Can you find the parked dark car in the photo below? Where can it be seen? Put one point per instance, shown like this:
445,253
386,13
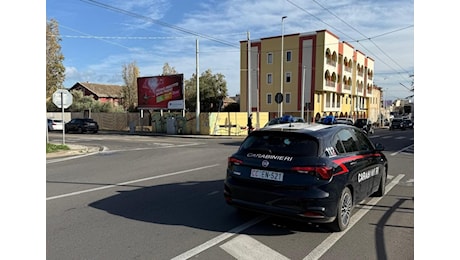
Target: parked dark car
365,125
82,125
313,173
397,123
408,123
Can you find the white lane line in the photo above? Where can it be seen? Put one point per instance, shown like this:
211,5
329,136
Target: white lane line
243,247
130,182
334,237
210,243
403,149
107,151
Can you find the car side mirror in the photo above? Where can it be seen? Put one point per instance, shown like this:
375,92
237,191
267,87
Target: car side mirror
379,147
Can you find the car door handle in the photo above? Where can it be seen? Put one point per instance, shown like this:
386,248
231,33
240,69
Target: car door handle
353,163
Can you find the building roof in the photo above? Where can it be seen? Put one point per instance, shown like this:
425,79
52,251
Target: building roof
101,90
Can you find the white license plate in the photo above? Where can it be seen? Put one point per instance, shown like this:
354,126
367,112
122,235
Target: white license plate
266,175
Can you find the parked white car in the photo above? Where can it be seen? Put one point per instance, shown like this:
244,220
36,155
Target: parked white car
54,124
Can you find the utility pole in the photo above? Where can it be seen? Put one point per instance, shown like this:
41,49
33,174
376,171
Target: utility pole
282,62
197,89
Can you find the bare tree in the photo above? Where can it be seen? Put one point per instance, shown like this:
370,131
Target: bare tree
168,70
130,75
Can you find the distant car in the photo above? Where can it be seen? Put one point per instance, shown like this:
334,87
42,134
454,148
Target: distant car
397,123
285,119
314,173
330,120
327,120
365,125
54,124
408,123
82,125
344,120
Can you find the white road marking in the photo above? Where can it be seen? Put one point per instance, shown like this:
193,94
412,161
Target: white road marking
107,151
334,237
243,247
315,254
210,243
69,158
129,182
402,150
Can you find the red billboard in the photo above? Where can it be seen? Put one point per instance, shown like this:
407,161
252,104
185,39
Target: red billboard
161,92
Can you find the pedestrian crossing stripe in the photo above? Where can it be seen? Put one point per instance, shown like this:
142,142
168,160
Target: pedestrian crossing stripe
244,247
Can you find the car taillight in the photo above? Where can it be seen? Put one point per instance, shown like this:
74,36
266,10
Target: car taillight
234,161
321,172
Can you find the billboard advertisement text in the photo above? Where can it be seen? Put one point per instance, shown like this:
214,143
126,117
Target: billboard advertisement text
161,92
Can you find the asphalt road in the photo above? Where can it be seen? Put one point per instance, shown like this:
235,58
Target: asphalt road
160,197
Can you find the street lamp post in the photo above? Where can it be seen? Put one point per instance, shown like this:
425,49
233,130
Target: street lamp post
282,61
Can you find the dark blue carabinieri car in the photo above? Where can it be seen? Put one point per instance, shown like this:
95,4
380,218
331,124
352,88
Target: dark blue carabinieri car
310,172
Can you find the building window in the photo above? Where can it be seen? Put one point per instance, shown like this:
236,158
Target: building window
269,58
288,77
269,98
288,56
288,98
269,78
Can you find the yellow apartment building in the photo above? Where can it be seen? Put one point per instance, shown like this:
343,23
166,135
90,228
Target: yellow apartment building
321,76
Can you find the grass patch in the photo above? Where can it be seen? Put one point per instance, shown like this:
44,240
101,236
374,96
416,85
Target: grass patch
51,148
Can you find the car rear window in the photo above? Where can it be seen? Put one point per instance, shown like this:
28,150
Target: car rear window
281,143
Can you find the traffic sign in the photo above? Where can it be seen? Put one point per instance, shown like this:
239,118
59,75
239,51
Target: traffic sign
62,98
278,97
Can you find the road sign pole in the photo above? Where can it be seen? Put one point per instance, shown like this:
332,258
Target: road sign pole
62,115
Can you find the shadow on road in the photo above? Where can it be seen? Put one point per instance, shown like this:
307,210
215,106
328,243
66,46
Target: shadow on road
193,204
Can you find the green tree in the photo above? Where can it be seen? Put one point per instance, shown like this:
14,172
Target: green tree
213,89
55,70
130,74
168,70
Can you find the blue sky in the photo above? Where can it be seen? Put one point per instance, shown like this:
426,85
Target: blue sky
99,37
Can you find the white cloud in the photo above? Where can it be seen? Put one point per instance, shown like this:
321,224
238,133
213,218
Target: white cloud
173,36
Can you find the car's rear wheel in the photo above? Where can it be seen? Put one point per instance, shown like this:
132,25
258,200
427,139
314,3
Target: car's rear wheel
344,209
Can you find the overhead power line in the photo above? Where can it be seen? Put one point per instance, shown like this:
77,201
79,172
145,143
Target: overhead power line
135,15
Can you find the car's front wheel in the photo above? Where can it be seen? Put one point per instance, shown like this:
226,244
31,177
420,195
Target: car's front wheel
344,209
